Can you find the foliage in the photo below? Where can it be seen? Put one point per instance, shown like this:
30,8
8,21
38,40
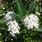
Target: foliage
21,8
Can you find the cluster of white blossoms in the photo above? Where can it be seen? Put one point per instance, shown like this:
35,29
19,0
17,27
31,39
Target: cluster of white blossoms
31,21
13,26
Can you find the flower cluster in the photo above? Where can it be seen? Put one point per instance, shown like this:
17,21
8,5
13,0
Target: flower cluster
13,26
31,21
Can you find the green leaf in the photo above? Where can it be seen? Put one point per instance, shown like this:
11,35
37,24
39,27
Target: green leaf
20,10
1,21
38,29
32,6
1,38
32,32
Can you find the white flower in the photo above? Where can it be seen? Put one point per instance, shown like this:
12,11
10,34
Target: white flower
4,14
0,34
31,21
37,0
13,26
11,39
37,13
3,8
0,41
